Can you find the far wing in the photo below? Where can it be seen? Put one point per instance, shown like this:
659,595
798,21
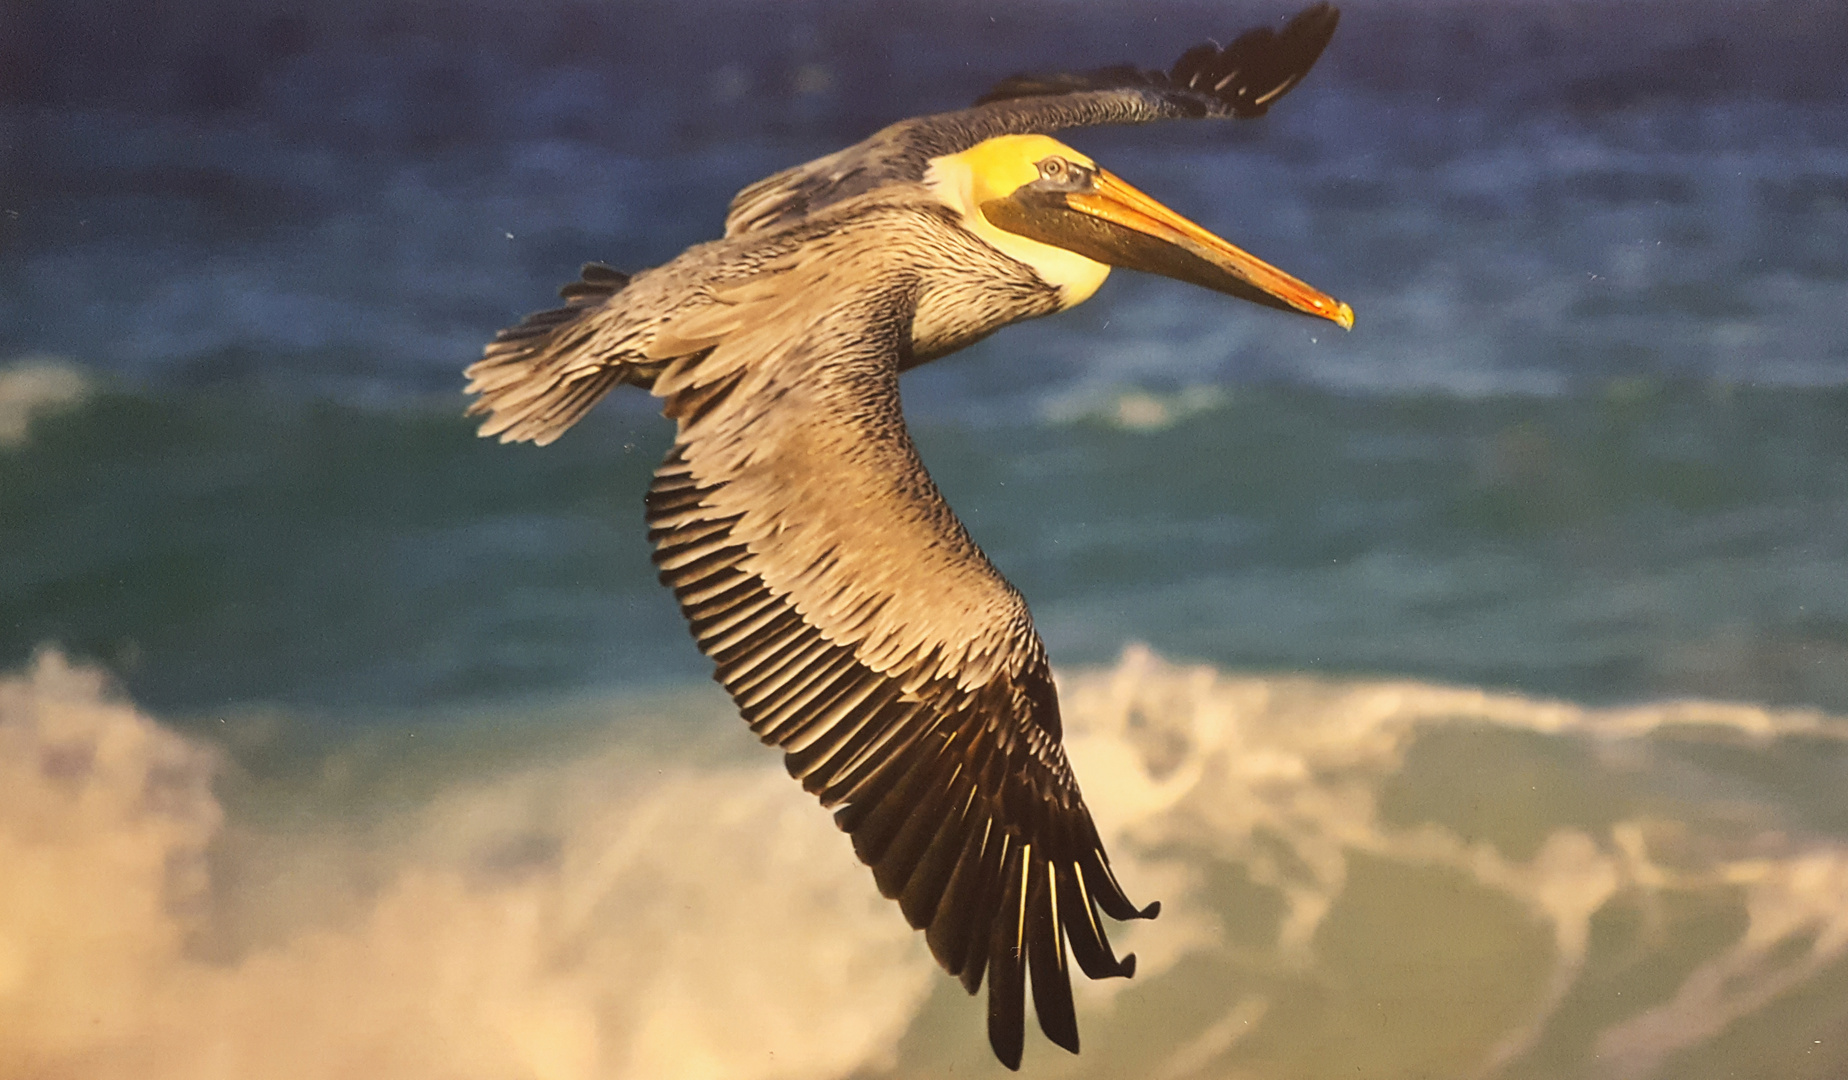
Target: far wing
1241,80
859,628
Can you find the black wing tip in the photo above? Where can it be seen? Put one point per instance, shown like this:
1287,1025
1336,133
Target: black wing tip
1006,1055
1313,26
1244,79
1320,12
1271,61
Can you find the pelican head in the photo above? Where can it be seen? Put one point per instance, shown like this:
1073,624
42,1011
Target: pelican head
1056,210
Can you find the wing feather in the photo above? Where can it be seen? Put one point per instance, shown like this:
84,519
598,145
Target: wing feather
1007,958
1052,983
949,931
924,889
858,628
532,379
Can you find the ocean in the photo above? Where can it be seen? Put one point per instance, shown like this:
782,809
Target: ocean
1471,688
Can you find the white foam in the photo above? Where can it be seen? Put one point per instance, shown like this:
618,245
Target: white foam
1133,409
1226,765
605,917
629,911
31,386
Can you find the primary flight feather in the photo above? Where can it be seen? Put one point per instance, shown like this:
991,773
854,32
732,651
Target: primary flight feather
849,614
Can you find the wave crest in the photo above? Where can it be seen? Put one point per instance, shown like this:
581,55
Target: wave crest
609,916
1391,876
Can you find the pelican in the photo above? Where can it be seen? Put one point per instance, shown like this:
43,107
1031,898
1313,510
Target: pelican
847,611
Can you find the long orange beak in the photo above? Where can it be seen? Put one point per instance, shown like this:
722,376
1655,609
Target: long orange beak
1113,223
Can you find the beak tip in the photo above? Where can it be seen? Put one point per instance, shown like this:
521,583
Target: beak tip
1344,317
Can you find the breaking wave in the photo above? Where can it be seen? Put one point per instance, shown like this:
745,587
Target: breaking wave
1598,892
611,916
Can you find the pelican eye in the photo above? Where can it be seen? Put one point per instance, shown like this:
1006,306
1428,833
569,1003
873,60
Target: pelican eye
1062,174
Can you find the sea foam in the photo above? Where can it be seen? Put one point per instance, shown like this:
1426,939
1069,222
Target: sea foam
1424,877
31,386
606,917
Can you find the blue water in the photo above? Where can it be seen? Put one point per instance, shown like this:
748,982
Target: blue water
1586,449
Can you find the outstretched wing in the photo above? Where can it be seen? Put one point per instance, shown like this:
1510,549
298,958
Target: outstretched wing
860,629
1241,80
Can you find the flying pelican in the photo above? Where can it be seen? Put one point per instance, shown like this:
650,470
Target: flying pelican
850,616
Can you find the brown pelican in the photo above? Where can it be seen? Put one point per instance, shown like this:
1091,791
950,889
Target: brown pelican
850,616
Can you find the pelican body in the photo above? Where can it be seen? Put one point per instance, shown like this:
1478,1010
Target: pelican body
850,616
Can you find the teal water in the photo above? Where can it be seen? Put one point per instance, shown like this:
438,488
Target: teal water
1646,540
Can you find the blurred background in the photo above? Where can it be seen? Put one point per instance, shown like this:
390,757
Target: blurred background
1470,686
